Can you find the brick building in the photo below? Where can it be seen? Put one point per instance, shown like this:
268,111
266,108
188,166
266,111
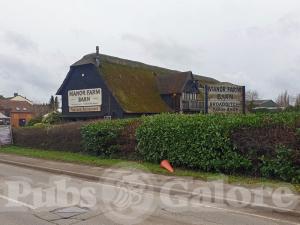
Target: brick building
20,112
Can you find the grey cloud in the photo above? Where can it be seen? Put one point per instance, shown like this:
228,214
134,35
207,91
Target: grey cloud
19,41
289,24
286,26
167,52
254,42
29,78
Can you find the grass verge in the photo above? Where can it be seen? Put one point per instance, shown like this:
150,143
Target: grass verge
154,168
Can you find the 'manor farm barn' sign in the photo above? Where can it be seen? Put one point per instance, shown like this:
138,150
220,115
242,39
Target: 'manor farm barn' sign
85,100
224,98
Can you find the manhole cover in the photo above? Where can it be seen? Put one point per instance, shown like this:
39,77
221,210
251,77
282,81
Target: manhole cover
69,211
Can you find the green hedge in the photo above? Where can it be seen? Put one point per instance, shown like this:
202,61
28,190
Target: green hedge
101,138
63,137
204,142
266,145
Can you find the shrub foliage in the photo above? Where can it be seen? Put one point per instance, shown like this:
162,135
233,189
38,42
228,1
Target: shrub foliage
266,145
206,142
101,138
64,137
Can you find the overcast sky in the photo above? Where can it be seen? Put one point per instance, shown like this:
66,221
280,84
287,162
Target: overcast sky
249,42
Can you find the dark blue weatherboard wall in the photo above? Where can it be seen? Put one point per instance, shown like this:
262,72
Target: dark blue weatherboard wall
91,79
191,87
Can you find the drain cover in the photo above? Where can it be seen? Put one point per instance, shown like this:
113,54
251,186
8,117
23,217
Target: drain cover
69,212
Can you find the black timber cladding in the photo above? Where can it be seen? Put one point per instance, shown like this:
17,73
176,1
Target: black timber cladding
87,77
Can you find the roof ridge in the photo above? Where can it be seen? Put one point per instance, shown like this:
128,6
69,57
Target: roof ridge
91,59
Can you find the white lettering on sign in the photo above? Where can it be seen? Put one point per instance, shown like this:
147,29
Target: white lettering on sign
225,98
85,109
85,98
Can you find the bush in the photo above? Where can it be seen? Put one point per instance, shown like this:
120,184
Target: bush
254,144
205,141
52,118
64,137
101,138
275,168
34,121
292,109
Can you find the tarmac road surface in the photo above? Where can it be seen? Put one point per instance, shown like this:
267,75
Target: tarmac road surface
31,197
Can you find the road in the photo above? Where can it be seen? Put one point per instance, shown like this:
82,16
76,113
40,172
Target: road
40,198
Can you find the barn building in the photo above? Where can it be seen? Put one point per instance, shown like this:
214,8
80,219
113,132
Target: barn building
99,86
263,105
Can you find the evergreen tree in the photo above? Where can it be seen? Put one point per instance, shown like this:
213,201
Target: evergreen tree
56,103
52,103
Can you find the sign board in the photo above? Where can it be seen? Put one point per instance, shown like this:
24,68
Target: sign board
85,100
5,135
225,98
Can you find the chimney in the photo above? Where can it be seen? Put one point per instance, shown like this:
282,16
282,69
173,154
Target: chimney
97,56
16,94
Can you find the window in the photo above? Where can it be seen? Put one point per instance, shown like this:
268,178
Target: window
22,122
189,96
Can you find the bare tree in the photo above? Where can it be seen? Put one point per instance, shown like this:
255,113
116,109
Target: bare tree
40,109
252,95
283,99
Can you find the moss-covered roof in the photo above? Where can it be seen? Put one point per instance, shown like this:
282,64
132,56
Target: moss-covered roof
134,88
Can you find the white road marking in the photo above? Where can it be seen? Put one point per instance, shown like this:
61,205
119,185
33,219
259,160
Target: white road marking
208,196
249,214
17,202
228,210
